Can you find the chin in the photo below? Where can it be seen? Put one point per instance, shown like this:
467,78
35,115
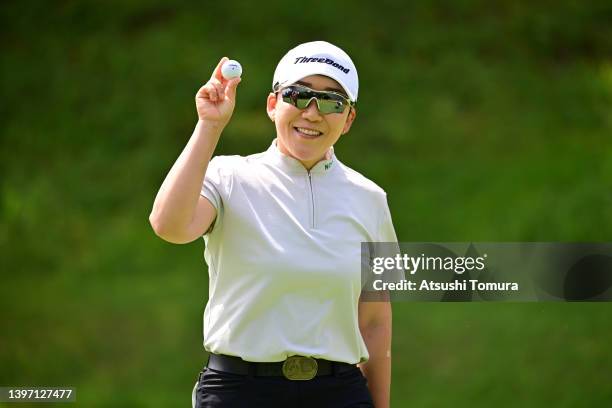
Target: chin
304,150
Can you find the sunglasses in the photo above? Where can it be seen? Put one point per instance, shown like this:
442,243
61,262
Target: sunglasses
327,102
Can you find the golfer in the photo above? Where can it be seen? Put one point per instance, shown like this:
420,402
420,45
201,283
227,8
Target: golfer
284,325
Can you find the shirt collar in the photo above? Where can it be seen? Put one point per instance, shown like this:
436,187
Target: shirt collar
288,163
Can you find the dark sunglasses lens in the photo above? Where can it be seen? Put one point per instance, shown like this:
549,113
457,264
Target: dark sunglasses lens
326,102
303,101
292,95
331,106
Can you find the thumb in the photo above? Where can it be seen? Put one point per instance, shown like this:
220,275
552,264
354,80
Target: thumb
230,88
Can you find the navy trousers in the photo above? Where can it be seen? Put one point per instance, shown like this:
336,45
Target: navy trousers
217,389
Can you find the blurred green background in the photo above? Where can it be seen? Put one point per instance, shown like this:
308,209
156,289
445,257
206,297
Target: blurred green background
484,121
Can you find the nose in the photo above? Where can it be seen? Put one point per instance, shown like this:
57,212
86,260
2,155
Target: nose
311,112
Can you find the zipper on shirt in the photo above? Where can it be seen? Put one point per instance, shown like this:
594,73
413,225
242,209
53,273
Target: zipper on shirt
312,201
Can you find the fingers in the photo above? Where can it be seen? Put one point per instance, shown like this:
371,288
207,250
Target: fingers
214,91
209,91
217,72
218,89
230,88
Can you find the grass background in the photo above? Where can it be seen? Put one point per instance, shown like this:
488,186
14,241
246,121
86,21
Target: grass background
484,121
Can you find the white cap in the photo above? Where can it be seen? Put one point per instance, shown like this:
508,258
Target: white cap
317,58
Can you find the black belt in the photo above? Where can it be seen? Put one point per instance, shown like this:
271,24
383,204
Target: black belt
293,368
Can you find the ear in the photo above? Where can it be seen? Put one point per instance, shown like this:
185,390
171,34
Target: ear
271,106
349,120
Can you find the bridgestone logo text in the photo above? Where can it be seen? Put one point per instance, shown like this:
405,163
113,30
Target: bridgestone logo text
303,60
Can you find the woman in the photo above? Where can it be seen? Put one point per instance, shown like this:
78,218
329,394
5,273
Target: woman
284,324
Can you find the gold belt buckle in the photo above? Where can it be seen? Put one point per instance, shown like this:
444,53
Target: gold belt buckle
300,368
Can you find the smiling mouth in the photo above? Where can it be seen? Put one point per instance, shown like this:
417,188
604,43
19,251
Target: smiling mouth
308,132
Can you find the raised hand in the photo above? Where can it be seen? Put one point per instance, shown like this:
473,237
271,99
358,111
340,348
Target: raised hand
215,100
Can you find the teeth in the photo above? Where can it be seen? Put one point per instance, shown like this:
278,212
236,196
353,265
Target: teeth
308,132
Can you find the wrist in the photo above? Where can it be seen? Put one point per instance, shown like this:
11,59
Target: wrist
210,127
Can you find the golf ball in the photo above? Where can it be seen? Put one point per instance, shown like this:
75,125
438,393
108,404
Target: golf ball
231,69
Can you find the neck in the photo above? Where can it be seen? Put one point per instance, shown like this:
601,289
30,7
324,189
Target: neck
308,164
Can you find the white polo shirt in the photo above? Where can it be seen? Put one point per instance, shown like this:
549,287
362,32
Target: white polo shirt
284,256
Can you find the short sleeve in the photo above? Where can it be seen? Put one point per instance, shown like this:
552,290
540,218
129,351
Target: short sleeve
213,185
385,245
386,231
388,246
217,185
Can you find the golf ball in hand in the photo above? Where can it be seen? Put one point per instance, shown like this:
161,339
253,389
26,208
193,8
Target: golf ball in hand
231,69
